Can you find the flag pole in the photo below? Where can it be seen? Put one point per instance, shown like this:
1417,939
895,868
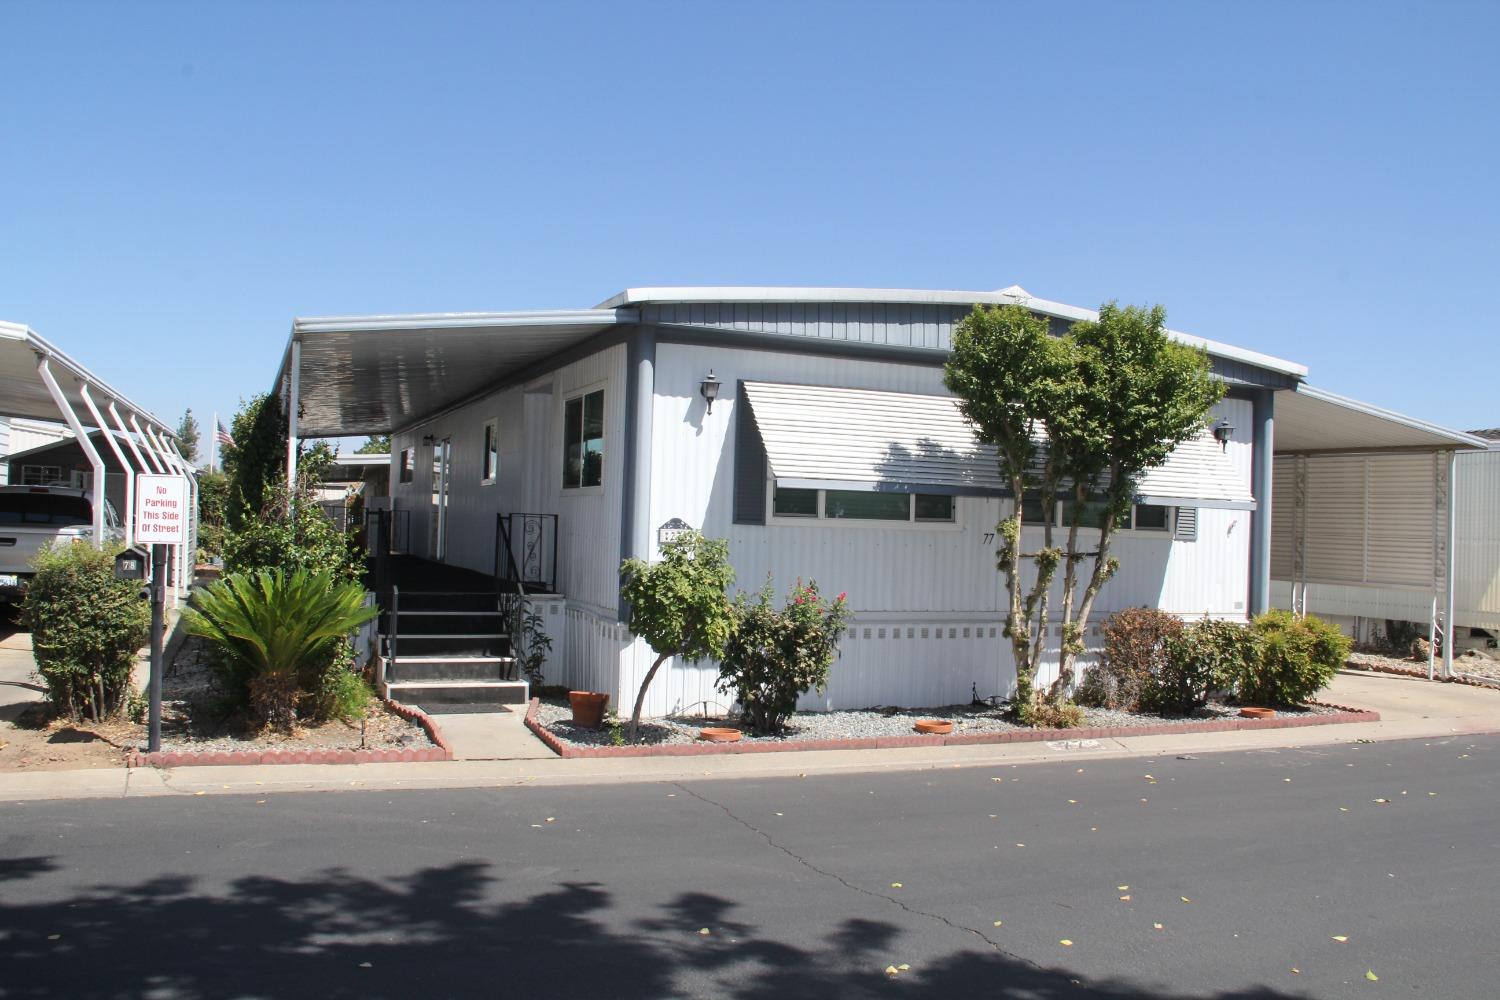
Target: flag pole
213,454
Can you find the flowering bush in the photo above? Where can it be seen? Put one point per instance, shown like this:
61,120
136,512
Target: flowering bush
774,657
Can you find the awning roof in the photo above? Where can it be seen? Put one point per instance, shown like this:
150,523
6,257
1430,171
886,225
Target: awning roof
829,437
376,374
1311,420
23,394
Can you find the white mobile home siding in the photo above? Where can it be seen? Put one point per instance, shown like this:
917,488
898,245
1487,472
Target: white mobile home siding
1477,518
907,584
530,478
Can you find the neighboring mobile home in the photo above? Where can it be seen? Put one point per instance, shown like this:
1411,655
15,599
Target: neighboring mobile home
808,426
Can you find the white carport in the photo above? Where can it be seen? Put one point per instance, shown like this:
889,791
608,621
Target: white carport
1363,519
38,380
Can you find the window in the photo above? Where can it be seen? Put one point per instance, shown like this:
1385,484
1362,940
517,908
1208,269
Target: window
1152,517
44,508
1093,514
491,452
862,505
1031,510
41,475
867,506
408,463
796,503
930,507
583,441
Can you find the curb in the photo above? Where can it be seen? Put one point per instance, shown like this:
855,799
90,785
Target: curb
1421,675
1342,715
213,758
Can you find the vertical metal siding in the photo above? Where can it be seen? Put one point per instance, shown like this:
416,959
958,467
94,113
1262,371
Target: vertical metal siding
900,576
1477,517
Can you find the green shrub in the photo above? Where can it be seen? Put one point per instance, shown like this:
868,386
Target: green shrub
1298,657
1135,651
338,693
1049,713
274,627
774,657
86,627
1204,657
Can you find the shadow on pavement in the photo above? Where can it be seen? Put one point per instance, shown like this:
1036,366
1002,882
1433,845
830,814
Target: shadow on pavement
435,934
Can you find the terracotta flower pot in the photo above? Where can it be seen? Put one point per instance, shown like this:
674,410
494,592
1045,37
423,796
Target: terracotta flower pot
1257,713
937,727
719,734
588,708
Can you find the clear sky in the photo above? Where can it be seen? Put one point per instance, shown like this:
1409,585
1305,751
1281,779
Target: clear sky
1314,181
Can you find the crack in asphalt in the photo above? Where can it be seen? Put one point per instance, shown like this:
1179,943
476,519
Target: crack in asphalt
770,841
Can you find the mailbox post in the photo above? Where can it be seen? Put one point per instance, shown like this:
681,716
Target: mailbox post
131,565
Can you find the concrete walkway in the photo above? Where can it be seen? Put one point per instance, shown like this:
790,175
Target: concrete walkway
490,736
19,685
1410,709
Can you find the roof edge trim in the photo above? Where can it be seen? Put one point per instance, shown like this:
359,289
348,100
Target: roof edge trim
1461,438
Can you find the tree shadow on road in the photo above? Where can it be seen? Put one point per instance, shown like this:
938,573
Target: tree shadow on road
444,932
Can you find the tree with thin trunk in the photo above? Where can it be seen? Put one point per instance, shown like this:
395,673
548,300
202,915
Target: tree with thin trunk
1078,417
679,605
187,436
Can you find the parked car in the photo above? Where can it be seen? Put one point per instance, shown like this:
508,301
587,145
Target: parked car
31,516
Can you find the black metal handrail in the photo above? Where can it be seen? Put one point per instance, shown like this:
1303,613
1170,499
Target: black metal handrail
530,543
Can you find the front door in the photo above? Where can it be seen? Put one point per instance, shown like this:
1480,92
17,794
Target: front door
442,463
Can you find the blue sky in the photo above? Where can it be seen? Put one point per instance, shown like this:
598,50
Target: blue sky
1315,181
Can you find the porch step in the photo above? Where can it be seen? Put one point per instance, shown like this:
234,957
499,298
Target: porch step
459,692
420,622
433,644
449,600
456,669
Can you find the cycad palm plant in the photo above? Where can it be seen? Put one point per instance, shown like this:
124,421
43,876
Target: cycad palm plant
270,623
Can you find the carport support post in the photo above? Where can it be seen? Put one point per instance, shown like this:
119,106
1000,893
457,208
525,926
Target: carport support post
294,389
1450,629
128,514
1263,444
83,442
158,626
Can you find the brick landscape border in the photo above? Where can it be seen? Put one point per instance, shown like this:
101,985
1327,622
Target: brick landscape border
211,758
1421,675
1341,714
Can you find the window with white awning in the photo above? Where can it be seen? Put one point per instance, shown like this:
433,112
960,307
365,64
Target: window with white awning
838,438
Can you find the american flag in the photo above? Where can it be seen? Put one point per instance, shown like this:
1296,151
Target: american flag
222,435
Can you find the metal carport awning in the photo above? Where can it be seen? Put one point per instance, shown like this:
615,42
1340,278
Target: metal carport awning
356,375
1313,421
833,437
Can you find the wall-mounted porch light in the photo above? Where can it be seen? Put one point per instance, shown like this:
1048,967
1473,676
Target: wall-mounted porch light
429,440
709,387
1223,432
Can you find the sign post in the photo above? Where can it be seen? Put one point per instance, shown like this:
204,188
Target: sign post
161,515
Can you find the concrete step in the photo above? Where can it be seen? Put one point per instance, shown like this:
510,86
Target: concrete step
420,669
459,692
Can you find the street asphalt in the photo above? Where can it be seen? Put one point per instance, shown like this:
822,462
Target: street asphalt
1265,874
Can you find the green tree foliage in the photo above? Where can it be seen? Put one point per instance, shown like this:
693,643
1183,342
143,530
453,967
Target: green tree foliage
213,509
302,538
679,605
774,657
258,459
187,436
1080,416
86,627
375,444
271,626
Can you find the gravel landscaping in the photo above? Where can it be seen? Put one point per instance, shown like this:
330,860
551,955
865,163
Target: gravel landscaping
193,720
556,716
1472,664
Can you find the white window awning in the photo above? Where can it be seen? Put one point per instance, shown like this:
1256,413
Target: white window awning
831,437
